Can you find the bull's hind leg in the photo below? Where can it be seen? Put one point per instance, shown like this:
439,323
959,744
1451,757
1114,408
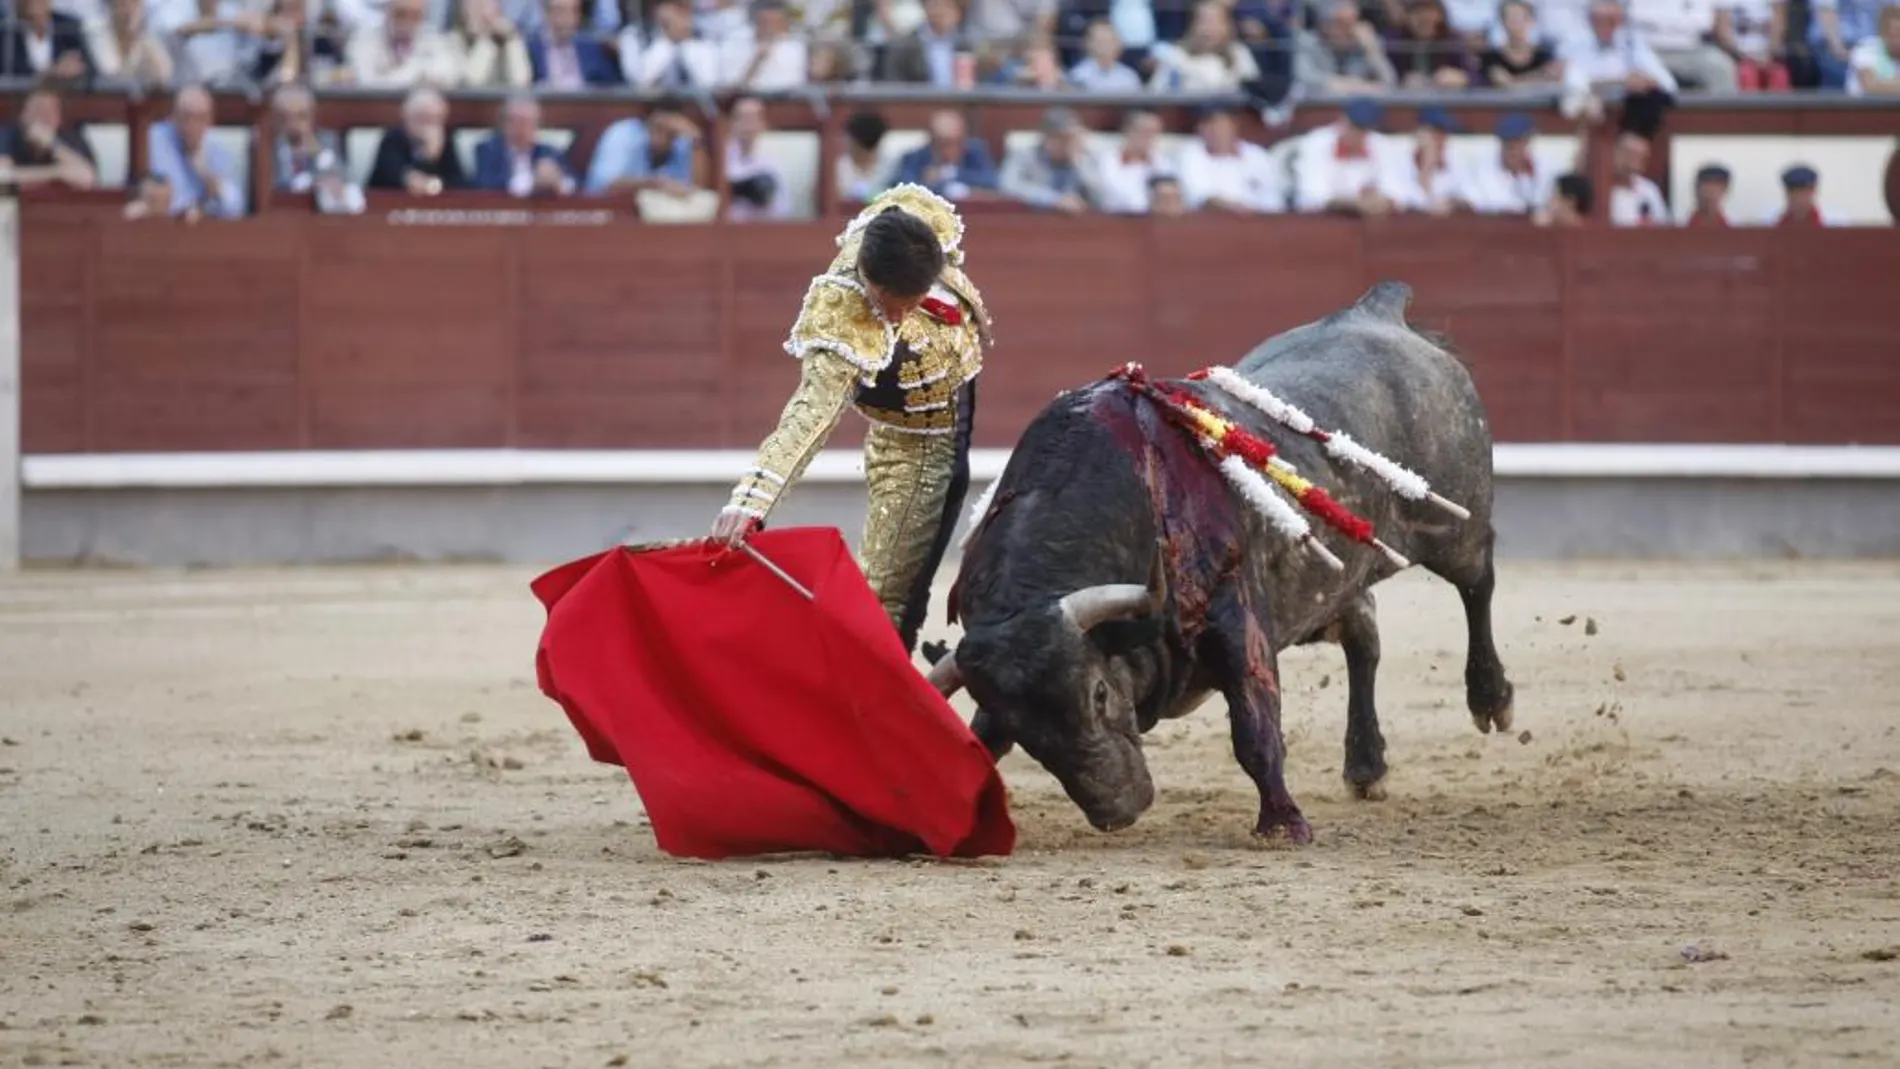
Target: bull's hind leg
1251,684
1357,632
1488,694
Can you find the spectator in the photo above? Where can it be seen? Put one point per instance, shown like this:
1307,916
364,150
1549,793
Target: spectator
928,54
859,172
675,59
1523,58
953,165
1875,59
199,173
1009,21
832,63
1473,21
1754,36
1034,67
721,20
494,50
1347,166
1572,199
403,53
1634,199
43,43
1611,55
1836,29
1165,197
1513,181
635,155
416,156
1682,32
563,59
1266,28
767,58
1102,71
1430,181
299,150
1129,172
1224,173
289,48
514,158
44,149
1711,190
152,199
123,48
1343,55
1799,190
1058,172
1208,60
216,41
755,180
1426,52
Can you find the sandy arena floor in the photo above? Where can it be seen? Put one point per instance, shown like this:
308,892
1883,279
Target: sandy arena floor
324,818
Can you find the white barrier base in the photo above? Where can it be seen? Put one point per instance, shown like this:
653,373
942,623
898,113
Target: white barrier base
521,467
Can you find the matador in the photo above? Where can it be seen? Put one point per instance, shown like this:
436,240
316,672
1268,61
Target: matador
895,327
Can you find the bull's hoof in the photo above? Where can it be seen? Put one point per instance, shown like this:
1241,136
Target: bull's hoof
1372,790
1498,719
1298,831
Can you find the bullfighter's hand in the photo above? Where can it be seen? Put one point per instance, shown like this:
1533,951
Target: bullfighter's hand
731,528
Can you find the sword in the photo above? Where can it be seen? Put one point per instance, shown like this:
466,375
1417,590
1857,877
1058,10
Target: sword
776,570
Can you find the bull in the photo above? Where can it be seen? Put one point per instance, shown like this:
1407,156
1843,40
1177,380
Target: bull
1116,579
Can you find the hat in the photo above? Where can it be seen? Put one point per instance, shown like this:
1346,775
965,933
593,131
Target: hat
1439,119
1515,125
1713,172
1800,176
1364,112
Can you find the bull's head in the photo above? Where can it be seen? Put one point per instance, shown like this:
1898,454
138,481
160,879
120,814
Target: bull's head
1047,679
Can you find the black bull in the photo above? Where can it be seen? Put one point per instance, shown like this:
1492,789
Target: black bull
1118,580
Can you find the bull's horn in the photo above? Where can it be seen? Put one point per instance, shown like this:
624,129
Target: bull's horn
946,676
1093,606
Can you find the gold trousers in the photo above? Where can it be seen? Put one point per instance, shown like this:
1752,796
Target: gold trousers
917,483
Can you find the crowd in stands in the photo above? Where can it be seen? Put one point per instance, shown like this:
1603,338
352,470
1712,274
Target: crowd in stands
1575,54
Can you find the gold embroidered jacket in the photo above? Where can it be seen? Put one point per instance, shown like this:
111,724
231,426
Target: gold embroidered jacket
849,353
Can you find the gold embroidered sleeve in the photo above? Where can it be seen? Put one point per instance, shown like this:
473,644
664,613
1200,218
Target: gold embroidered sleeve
959,283
838,319
826,384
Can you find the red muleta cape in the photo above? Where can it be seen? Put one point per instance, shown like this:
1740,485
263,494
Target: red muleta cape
752,720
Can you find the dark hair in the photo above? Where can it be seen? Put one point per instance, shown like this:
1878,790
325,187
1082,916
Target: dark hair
1578,190
900,254
867,128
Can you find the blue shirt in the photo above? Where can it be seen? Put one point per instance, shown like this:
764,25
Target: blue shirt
1134,20
167,157
1859,19
624,152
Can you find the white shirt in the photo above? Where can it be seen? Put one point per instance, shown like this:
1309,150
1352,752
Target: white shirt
741,166
651,67
785,64
39,50
1176,71
1125,184
1751,22
1672,25
1587,60
1628,202
1871,56
1319,177
1496,191
1250,177
1419,192
1091,77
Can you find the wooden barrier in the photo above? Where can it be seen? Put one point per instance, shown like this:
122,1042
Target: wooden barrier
297,331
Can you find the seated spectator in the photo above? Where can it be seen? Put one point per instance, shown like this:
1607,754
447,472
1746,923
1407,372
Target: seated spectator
1426,52
1634,199
44,44
859,173
1474,21
634,155
1010,21
44,149
300,150
1524,58
404,53
756,182
1683,36
1572,199
1165,197
1035,66
953,165
1711,190
1222,172
721,20
1876,60
1430,180
1512,181
199,173
494,49
564,59
514,159
1743,30
675,59
1612,55
1129,172
123,47
1344,55
1208,60
1835,29
768,57
1268,29
832,63
1799,188
1103,71
216,41
1348,167
1057,172
928,54
152,199
416,156
290,47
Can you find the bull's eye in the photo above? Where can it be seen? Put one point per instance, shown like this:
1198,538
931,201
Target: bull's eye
1101,696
